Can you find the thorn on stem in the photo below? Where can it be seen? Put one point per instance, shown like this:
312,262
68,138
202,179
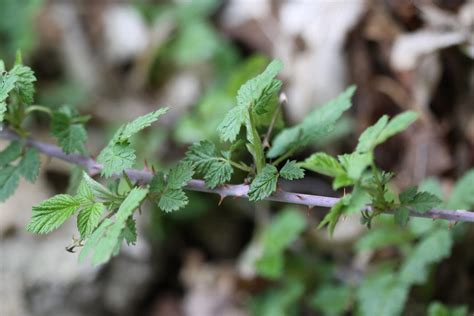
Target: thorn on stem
221,199
145,165
283,98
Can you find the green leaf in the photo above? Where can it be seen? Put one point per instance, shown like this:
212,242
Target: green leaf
283,230
18,58
291,171
52,213
169,191
252,137
379,238
439,309
196,41
24,82
257,92
355,164
262,104
9,180
419,201
341,181
348,204
359,198
130,231
264,184
270,265
401,216
204,156
382,130
29,165
431,249
230,126
128,130
7,84
158,183
116,158
263,120
108,237
73,138
408,195
256,95
219,172
61,120
368,139
118,155
279,301
324,164
318,123
462,196
107,245
347,171
180,175
89,218
332,299
85,193
396,125
281,233
71,135
381,294
97,190
332,217
94,239
11,153
376,183
130,204
172,200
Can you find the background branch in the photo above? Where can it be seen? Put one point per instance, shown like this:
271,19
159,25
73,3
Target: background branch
227,190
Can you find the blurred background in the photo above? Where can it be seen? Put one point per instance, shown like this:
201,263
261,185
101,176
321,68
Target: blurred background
116,60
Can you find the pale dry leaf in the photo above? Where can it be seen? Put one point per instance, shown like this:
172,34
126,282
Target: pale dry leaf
125,33
410,47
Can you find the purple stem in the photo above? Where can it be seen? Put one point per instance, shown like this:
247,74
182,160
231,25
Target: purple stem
235,190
